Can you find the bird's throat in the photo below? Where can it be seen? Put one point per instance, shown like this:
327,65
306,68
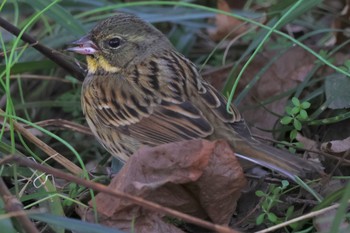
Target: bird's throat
99,63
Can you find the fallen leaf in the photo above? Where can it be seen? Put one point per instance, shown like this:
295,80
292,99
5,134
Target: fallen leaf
309,144
221,184
324,221
197,177
336,146
341,24
225,24
337,91
217,77
284,74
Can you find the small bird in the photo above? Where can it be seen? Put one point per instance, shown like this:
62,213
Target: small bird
140,91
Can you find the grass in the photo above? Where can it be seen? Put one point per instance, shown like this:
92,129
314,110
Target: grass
55,94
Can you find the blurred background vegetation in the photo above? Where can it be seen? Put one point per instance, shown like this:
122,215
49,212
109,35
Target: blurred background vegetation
307,58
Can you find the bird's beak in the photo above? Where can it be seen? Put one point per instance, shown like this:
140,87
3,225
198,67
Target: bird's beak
84,46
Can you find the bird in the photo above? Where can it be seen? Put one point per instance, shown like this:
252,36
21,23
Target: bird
138,90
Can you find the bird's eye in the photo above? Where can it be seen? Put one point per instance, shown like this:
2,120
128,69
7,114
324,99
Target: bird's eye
114,42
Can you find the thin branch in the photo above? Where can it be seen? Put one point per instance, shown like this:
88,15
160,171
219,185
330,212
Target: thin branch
12,204
41,77
46,148
102,188
306,216
319,152
63,124
52,54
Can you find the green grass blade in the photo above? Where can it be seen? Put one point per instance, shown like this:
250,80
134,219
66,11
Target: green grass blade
73,224
61,16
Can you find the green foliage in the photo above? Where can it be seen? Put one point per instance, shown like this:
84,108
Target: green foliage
295,117
345,66
270,200
74,225
325,55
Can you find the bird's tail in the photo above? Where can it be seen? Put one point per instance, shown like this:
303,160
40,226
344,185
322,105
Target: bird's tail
275,159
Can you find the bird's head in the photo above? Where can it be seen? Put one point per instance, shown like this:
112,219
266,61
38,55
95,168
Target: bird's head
120,41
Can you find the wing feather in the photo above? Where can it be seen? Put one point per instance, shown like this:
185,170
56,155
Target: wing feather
171,122
173,109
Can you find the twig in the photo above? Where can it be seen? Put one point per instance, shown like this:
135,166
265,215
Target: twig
270,180
52,54
306,216
41,77
345,155
14,205
64,124
102,188
292,200
22,212
307,150
250,213
215,70
46,148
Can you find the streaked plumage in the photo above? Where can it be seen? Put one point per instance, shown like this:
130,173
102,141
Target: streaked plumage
139,90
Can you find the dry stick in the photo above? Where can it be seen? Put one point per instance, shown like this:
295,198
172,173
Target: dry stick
269,180
47,149
12,204
306,216
308,150
345,155
52,54
64,124
21,212
293,200
61,124
41,77
104,189
249,214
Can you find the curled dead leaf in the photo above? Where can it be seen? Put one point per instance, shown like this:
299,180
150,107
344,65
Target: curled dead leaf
197,177
284,74
226,25
336,146
323,222
309,144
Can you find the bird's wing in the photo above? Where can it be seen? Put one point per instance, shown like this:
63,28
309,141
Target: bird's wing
171,122
150,120
163,123
168,114
217,104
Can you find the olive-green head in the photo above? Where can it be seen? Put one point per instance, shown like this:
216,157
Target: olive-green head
121,40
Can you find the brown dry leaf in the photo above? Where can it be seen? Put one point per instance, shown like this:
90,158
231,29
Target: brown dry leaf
221,184
284,74
323,222
309,144
336,146
331,186
225,24
341,26
217,77
197,177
